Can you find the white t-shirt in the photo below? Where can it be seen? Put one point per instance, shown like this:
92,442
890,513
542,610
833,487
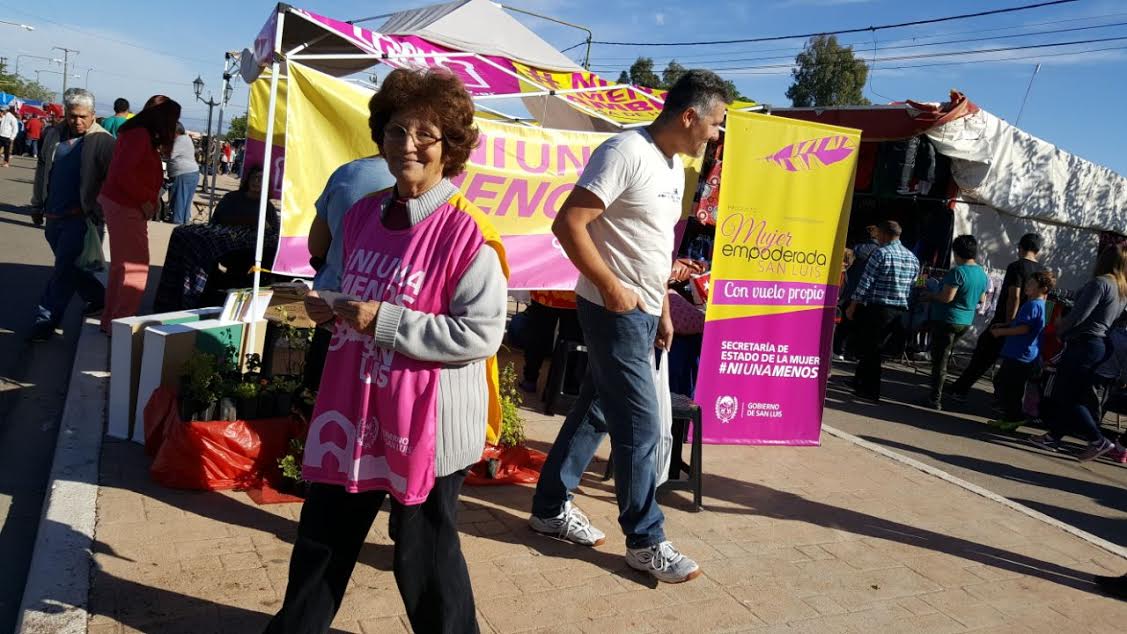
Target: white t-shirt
642,190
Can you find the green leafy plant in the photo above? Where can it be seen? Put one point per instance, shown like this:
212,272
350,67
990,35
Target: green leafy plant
284,385
203,382
245,390
297,341
290,464
512,424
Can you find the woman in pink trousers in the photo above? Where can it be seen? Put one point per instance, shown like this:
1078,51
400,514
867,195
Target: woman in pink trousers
130,197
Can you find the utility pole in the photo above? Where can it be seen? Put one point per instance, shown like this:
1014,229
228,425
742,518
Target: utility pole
66,61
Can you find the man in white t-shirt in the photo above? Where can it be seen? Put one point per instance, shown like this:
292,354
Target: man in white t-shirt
617,228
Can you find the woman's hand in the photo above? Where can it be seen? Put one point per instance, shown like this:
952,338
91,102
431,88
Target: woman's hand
360,315
317,308
149,209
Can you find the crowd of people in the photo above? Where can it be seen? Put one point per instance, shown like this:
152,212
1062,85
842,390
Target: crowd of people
401,354
883,279
97,175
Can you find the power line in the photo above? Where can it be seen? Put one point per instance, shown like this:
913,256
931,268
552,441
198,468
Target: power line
946,54
962,63
916,38
906,46
899,25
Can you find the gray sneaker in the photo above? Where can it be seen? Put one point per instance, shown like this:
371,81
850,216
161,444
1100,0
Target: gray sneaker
1096,449
570,525
664,562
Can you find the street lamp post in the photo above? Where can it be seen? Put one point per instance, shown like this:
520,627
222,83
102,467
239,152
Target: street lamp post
197,86
54,60
54,72
212,157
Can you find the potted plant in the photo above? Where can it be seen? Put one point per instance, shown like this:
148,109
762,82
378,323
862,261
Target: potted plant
512,424
290,466
266,402
246,399
199,387
284,388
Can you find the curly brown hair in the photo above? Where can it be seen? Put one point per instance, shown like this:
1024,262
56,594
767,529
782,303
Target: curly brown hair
434,96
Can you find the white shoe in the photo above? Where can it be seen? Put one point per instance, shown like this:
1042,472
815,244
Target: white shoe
570,525
664,562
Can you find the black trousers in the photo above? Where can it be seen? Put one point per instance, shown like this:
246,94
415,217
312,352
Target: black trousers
943,339
315,358
1009,387
986,351
541,339
871,325
429,568
6,147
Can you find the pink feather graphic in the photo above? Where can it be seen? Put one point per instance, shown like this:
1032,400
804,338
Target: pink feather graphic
814,153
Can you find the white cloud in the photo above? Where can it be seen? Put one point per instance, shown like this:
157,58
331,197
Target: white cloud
659,19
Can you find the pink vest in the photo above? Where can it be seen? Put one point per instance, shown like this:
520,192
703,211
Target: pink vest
374,422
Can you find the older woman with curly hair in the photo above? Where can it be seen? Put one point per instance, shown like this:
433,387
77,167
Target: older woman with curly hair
407,394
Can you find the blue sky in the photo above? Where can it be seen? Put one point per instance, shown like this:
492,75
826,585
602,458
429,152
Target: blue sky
139,48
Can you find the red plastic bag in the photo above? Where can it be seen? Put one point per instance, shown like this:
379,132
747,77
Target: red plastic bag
514,465
212,455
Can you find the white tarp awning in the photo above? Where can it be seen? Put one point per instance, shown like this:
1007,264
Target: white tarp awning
1021,175
479,26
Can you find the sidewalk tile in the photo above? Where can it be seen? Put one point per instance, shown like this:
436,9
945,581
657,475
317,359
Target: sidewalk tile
772,604
386,625
863,588
714,615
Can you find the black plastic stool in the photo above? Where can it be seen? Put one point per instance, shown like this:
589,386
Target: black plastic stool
557,400
682,476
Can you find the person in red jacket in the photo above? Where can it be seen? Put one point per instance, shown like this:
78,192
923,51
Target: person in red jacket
130,198
34,127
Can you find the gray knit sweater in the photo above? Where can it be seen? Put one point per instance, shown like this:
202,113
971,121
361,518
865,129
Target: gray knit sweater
461,340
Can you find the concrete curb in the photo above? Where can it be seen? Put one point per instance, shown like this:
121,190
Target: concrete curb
58,581
977,490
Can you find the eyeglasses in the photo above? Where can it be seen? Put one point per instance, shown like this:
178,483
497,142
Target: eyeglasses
398,135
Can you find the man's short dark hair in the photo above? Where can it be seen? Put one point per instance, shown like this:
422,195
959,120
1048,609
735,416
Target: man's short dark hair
1031,243
965,247
696,89
120,105
891,227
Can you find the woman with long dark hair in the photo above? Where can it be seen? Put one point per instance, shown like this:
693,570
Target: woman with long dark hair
1084,332
130,198
240,207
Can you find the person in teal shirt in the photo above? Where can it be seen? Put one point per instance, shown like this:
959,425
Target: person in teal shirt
952,311
121,114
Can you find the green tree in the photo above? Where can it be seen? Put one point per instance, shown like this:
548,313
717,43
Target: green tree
828,74
642,73
23,88
672,73
237,128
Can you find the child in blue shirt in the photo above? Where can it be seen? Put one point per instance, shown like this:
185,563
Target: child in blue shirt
1020,350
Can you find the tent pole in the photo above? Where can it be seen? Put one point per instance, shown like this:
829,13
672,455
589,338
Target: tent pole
267,158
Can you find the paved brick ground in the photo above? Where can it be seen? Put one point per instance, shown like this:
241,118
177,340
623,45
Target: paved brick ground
829,539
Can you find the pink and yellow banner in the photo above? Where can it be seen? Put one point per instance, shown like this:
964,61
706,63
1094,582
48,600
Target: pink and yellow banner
784,209
519,175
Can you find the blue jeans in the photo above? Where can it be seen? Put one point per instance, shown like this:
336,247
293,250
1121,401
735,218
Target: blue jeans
33,147
1072,383
617,396
183,190
66,236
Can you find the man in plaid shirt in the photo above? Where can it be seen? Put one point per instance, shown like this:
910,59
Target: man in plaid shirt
880,299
